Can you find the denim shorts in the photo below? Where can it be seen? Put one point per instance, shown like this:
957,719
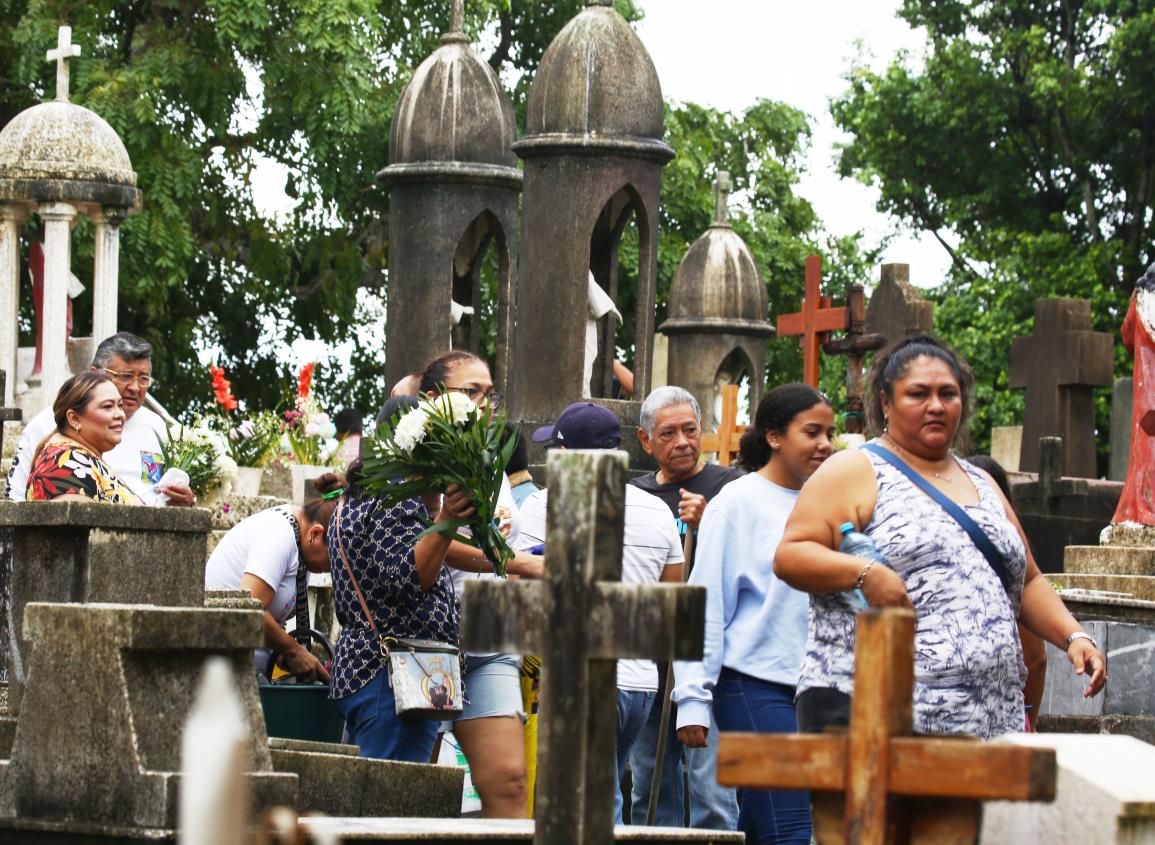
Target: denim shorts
492,687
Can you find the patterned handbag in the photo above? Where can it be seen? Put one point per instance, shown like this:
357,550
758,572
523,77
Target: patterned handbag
425,674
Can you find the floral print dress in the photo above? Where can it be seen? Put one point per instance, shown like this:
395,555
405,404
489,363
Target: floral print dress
65,467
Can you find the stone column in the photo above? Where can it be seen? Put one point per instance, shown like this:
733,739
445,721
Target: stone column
106,272
9,296
57,217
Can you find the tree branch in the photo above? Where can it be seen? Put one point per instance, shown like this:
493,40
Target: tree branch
501,54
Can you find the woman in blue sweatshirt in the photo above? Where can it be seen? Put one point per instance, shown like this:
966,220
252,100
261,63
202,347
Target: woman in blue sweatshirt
755,623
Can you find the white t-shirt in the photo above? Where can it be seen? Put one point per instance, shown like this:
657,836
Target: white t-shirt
651,544
264,545
136,460
509,523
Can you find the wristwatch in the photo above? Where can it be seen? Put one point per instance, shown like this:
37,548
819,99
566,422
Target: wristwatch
1081,635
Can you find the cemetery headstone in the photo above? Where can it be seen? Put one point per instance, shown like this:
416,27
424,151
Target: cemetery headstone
896,787
896,309
1122,403
1059,365
1007,446
814,323
580,620
855,343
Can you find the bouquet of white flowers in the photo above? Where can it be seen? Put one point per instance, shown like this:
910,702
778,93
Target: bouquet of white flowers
203,454
446,440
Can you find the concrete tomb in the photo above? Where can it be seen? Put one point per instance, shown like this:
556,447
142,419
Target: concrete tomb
896,309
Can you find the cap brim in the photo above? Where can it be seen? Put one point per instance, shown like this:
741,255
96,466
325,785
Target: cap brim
543,434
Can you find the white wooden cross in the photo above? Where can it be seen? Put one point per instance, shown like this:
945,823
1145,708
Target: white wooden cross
64,51
723,185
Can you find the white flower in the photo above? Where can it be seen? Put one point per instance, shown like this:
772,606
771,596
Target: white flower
312,429
457,407
327,430
410,430
848,441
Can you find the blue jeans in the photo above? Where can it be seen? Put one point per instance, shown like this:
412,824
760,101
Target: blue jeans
633,708
371,722
712,806
744,703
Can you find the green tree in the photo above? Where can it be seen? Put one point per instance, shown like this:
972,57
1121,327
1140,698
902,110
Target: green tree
1021,137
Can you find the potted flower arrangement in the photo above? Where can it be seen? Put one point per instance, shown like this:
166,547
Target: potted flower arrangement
308,432
204,455
250,438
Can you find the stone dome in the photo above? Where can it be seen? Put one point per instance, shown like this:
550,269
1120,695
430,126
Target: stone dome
59,140
718,288
596,78
454,109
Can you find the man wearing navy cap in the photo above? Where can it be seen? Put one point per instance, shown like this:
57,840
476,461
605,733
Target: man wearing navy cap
651,552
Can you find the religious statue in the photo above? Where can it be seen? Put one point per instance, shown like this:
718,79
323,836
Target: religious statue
1137,504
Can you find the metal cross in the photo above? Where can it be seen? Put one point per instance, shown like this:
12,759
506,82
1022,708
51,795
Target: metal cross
722,188
64,51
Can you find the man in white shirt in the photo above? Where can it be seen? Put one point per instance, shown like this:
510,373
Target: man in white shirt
651,552
136,460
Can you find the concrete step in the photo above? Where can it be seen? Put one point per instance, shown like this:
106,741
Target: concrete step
443,832
1141,587
1112,560
1140,727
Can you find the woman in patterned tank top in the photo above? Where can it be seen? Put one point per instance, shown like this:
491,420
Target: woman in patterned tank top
968,662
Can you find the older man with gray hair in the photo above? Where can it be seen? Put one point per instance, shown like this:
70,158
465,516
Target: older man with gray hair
671,431
136,460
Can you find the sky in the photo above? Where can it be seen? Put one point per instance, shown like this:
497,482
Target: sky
728,53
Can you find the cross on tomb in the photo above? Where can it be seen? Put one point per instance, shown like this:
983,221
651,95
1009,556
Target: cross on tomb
64,51
889,775
723,186
1051,484
816,319
726,439
854,345
896,309
580,620
1059,364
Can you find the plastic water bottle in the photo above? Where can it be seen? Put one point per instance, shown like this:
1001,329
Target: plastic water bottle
858,544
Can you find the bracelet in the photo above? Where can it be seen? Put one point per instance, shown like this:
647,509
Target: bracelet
1081,635
862,576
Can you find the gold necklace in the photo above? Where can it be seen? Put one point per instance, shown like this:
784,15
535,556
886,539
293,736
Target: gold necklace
948,476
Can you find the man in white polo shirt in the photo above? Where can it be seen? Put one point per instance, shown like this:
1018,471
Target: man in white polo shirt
136,460
651,552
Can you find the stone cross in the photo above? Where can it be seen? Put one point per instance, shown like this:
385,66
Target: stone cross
854,345
64,51
1052,484
816,319
580,620
879,764
1059,365
723,185
896,309
725,440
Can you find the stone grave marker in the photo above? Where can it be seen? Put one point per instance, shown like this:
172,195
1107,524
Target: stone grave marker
90,552
896,309
1122,404
854,344
817,319
899,788
580,620
1058,365
1007,446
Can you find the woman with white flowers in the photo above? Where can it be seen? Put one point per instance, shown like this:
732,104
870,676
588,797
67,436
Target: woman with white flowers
270,554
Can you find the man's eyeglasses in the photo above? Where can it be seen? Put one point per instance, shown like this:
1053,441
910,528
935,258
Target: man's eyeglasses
126,378
479,395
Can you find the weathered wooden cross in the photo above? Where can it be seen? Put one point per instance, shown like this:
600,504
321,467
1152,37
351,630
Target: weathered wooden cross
64,51
899,788
1052,484
580,620
816,320
725,440
854,345
1059,365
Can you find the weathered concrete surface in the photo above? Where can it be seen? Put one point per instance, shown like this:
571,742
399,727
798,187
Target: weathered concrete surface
1122,405
1141,587
1007,446
1140,727
1130,690
102,746
1109,560
896,309
1105,794
337,784
88,552
1055,523
436,832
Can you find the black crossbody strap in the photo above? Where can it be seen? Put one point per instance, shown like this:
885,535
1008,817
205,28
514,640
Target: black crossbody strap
977,535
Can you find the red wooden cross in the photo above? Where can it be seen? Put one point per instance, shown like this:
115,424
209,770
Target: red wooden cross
816,319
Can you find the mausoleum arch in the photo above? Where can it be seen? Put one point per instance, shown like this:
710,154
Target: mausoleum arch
735,368
480,268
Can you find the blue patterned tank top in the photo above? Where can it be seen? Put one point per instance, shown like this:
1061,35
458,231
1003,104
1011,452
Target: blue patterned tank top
968,662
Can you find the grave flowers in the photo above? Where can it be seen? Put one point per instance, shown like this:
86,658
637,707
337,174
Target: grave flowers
446,440
307,428
249,437
203,454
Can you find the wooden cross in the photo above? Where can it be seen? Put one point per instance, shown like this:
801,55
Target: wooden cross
854,345
726,439
883,769
1059,365
580,620
1051,484
64,51
723,185
816,319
